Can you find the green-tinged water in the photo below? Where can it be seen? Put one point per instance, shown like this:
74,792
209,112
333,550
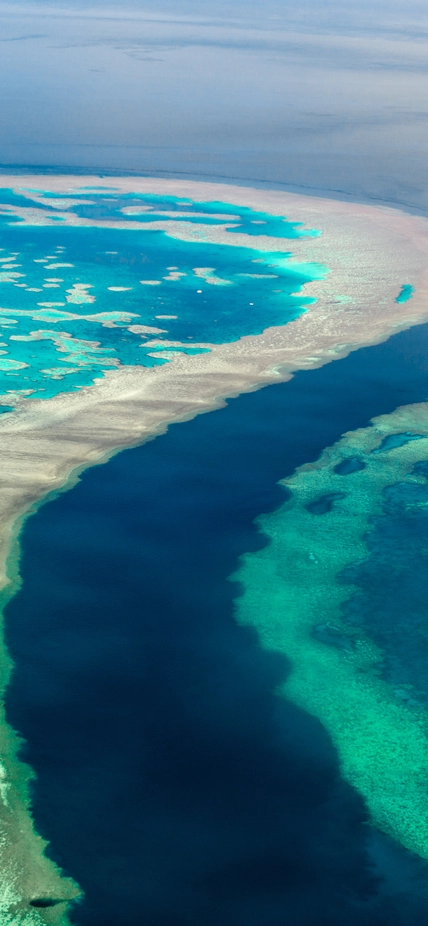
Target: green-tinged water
315,594
77,301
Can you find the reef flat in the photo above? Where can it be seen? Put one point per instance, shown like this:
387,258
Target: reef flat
295,592
328,278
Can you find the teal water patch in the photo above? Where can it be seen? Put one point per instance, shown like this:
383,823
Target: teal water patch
391,441
349,465
76,302
406,293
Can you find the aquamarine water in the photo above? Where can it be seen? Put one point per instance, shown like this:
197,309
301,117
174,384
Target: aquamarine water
405,293
72,298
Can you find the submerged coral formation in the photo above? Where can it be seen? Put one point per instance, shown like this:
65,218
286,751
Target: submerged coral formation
294,592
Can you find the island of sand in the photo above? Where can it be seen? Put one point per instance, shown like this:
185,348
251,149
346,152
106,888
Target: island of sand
371,253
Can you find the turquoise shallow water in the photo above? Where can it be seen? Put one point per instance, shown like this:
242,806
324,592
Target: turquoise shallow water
70,297
406,293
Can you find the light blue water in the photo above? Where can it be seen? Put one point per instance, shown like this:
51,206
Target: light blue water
406,293
71,297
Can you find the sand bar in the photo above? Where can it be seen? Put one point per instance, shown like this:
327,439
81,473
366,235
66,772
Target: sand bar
371,252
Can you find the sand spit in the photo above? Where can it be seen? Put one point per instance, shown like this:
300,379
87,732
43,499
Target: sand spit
370,252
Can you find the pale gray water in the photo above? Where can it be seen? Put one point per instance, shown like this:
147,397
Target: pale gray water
327,97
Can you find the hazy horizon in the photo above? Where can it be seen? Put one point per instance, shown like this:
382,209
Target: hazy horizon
323,98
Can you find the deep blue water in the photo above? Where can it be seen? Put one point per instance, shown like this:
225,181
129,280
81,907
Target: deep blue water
172,782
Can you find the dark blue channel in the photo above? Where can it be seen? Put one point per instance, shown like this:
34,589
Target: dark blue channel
173,783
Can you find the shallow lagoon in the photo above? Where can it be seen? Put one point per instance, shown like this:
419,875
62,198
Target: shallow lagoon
70,297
